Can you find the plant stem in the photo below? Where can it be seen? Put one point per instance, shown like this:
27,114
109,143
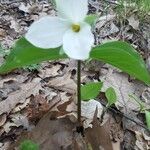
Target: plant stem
79,91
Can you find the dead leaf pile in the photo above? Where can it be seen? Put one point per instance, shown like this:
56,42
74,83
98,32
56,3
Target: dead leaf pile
123,87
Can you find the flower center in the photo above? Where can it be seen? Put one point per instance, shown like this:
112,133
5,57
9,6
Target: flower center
75,27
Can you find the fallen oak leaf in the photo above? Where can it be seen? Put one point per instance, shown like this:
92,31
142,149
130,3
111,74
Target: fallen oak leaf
38,106
52,71
26,90
6,80
99,135
88,111
133,22
20,120
7,126
3,119
19,107
64,83
122,87
50,132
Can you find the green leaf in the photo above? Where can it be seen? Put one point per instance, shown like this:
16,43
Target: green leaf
111,96
91,19
147,116
28,145
24,53
124,56
32,67
90,90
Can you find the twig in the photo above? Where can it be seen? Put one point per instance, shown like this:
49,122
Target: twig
112,2
126,116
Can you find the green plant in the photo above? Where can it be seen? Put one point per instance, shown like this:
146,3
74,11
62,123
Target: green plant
47,36
126,8
147,116
28,145
143,109
32,67
111,96
90,90
142,5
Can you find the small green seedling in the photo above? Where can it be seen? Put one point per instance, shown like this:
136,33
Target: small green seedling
147,116
111,96
126,8
143,109
90,90
28,145
91,19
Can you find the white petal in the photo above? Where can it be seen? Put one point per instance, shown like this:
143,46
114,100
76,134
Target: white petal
74,10
77,45
47,32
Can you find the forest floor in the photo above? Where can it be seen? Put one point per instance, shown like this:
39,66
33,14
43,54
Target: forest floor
38,102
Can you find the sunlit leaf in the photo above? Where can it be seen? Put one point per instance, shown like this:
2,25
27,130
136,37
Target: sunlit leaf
24,53
91,19
147,116
90,90
111,96
122,55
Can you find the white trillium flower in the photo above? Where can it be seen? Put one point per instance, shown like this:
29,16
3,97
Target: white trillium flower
68,29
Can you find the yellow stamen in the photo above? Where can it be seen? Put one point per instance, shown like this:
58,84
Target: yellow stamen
76,27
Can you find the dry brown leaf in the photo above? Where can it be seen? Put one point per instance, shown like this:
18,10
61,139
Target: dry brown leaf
123,88
63,98
61,134
116,145
64,83
6,80
3,118
16,121
104,19
49,93
24,7
57,132
4,146
15,25
88,111
146,137
49,72
116,132
20,120
2,33
141,144
133,22
146,95
99,136
67,106
26,90
7,126
37,108
21,106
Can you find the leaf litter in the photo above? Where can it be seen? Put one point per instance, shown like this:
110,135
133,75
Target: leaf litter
29,99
